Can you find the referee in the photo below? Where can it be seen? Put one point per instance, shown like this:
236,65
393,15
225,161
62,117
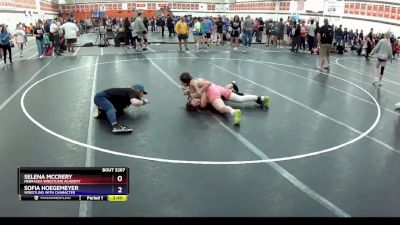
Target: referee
111,103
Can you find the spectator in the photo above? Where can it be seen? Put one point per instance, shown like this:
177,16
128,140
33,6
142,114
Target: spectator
39,33
247,28
5,38
260,30
161,23
384,50
236,25
325,38
170,26
71,32
55,37
20,39
207,29
303,34
220,28
280,32
182,29
310,36
140,28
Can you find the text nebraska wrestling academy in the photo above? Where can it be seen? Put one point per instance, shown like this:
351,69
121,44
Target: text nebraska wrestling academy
49,179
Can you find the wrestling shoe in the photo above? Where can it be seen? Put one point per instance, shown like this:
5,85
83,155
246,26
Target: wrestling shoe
97,113
235,87
266,101
264,104
237,117
119,128
377,83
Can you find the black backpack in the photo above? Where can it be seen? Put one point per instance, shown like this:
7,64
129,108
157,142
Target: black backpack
327,34
89,44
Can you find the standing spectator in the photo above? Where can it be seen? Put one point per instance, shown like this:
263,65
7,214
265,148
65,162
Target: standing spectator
170,25
153,24
303,34
63,46
5,38
140,29
226,25
288,32
20,39
316,42
396,50
361,36
371,34
280,32
274,30
55,37
201,33
134,34
325,38
88,25
356,37
345,35
255,26
214,35
310,36
207,29
296,37
220,28
182,29
384,50
236,25
127,32
268,31
71,32
187,20
247,28
196,32
393,43
260,30
175,20
162,25
146,25
39,33
351,37
26,31
1,46
338,35
369,47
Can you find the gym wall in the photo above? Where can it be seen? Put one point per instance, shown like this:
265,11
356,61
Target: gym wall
26,11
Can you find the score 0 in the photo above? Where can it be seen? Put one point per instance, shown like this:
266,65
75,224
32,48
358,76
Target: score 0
119,179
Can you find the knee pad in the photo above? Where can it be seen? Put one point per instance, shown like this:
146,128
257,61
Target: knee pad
382,70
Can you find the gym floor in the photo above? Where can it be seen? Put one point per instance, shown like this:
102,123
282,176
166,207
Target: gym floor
329,145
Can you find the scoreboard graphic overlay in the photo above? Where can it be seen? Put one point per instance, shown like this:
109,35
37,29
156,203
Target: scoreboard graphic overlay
76,183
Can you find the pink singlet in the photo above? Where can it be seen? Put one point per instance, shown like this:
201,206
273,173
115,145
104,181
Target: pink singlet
216,91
